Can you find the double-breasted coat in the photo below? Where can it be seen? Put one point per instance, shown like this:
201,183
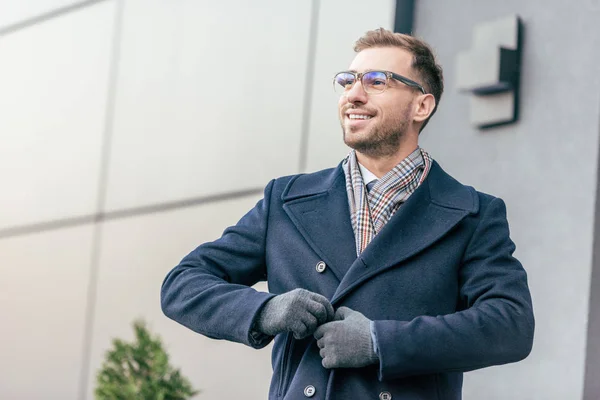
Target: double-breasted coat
439,281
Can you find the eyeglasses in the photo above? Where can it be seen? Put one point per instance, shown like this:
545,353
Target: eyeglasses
373,82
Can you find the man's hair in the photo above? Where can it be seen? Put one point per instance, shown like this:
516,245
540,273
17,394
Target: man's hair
424,62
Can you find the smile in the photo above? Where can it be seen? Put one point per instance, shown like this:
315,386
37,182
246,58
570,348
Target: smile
358,116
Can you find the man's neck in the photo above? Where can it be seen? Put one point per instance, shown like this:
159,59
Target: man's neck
381,165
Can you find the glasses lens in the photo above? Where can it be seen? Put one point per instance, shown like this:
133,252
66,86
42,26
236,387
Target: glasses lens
343,81
374,81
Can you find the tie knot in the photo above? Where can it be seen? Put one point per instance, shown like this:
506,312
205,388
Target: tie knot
370,185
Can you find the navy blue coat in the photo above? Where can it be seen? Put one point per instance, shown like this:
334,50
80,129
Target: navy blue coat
439,280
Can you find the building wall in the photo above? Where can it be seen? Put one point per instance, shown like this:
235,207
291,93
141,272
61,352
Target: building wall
544,167
134,130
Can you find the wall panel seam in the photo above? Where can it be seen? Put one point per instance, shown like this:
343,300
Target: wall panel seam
309,82
132,212
41,18
88,328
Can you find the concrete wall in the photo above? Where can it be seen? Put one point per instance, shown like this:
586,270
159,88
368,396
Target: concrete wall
545,168
133,130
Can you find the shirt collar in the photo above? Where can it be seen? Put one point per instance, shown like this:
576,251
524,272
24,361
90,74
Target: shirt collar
367,175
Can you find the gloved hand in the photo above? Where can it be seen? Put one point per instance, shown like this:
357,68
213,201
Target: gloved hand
299,311
346,342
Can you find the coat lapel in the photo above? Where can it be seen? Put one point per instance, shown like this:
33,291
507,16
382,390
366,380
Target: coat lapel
429,213
317,204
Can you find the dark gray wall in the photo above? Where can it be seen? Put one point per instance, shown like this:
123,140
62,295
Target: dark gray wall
592,365
544,167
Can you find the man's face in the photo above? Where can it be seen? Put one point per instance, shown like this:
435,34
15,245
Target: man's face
389,114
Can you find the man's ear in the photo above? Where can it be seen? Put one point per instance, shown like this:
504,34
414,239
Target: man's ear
424,106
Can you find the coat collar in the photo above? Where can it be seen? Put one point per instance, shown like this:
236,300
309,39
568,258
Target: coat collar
444,190
318,205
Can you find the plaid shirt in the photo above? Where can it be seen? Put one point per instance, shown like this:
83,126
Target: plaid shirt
370,212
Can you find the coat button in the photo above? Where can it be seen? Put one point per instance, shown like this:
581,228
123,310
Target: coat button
321,267
310,391
385,396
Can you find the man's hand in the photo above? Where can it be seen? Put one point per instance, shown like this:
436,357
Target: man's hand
346,342
298,311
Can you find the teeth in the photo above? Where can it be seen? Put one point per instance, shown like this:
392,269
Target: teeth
357,116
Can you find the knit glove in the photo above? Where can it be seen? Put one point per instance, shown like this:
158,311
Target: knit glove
346,342
298,311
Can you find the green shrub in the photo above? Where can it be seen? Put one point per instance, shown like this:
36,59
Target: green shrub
140,371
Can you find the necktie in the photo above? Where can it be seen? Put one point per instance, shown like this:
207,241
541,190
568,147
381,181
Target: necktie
370,185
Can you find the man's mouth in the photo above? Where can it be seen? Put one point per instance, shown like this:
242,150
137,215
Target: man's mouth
359,116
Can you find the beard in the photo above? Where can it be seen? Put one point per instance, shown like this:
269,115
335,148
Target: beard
381,139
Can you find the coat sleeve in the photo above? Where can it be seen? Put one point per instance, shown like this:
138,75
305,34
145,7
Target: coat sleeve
209,291
496,327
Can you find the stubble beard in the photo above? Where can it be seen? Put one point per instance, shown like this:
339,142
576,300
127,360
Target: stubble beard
382,140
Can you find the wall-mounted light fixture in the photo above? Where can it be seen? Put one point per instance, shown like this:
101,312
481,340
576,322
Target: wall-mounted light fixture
490,72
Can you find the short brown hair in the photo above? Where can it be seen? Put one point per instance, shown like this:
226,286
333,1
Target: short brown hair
424,62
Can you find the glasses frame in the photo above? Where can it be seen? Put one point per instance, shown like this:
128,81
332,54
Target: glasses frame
390,75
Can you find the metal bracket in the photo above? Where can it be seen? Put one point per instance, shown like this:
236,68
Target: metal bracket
490,71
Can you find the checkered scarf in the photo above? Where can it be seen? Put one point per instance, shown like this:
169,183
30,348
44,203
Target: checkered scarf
371,211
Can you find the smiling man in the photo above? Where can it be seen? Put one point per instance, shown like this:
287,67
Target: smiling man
388,278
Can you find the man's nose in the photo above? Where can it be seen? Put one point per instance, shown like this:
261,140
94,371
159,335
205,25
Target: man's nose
357,93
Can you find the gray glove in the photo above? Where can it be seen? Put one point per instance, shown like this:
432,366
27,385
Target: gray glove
298,311
346,342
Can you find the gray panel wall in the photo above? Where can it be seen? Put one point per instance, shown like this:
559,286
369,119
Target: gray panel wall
545,168
333,54
15,14
125,125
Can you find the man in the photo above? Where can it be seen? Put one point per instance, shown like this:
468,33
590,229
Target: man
388,278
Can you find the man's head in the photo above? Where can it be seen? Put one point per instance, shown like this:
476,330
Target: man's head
382,109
